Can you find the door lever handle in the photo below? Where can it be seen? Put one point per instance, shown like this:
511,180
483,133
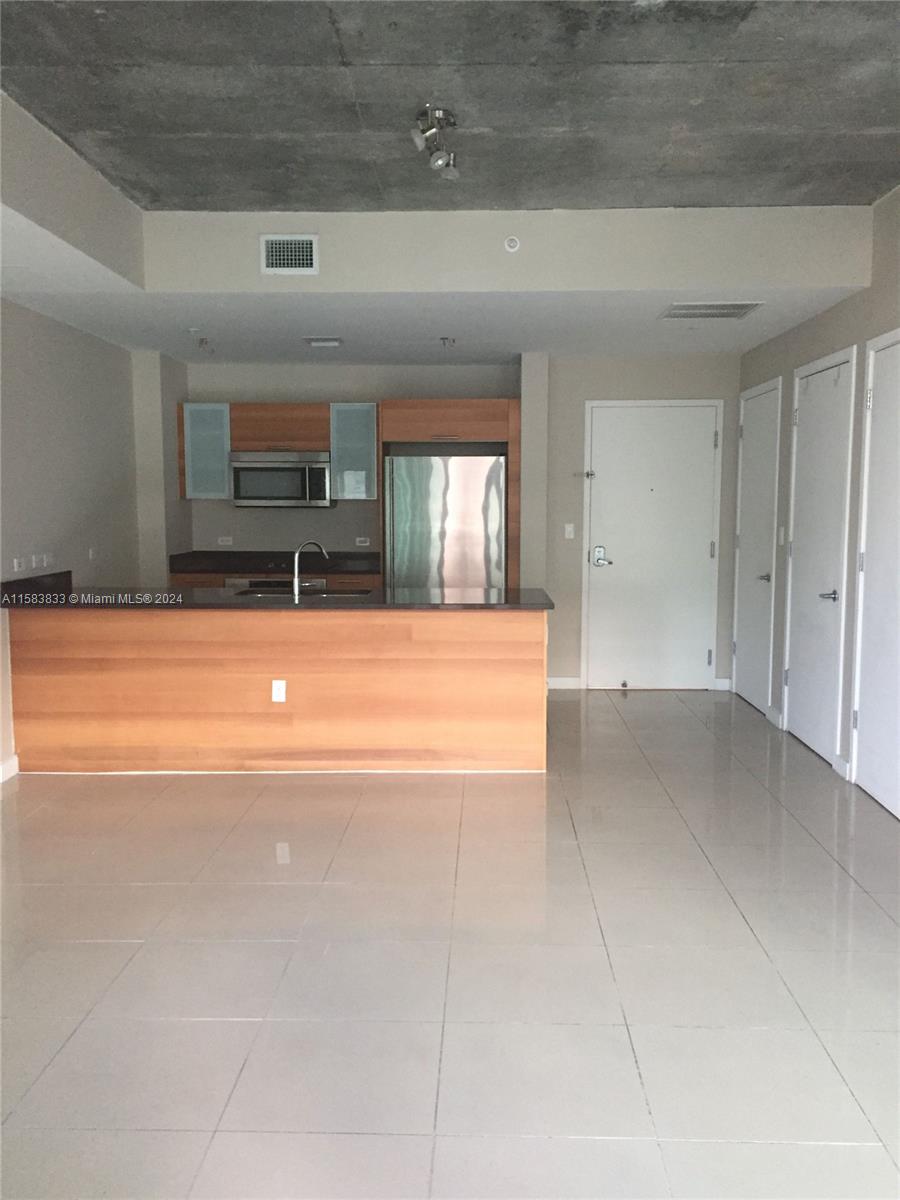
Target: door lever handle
767,578
832,595
600,559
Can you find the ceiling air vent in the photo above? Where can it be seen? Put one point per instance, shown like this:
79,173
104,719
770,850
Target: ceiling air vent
728,310
289,254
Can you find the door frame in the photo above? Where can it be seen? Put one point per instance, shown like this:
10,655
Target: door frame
816,367
589,406
882,342
772,385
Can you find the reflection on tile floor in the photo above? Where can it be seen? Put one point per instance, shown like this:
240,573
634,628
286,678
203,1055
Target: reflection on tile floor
667,969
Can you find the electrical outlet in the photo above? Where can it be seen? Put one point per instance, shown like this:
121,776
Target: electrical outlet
92,553
569,533
225,541
18,564
363,541
279,691
283,853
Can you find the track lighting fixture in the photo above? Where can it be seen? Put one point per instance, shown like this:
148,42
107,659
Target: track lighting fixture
428,134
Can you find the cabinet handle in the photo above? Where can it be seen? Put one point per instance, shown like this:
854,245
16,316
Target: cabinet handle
445,437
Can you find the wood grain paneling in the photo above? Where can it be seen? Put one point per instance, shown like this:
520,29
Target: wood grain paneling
280,426
196,579
435,420
191,690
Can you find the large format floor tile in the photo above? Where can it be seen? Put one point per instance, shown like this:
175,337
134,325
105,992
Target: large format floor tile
339,1077
668,967
745,1085
731,1171
99,1164
314,1166
139,1075
518,1168
564,1080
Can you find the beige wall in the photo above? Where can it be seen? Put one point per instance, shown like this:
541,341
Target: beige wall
865,315
164,519
611,250
574,381
46,181
7,736
68,471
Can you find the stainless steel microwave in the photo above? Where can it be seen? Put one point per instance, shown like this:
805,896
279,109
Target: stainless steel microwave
280,479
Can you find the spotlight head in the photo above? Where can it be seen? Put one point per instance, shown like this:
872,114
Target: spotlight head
440,157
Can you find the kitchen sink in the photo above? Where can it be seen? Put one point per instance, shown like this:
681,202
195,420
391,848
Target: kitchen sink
275,593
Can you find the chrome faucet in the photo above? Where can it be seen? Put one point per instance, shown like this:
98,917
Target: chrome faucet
297,554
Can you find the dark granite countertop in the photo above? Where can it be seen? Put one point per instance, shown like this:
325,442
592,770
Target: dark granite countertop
261,562
173,600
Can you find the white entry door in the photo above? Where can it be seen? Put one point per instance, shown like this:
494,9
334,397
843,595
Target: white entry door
650,604
755,557
823,409
877,750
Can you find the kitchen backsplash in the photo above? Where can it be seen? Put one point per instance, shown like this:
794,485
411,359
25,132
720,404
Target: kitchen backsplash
279,529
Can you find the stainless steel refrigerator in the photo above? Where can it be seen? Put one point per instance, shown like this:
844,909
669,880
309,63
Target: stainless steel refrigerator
445,521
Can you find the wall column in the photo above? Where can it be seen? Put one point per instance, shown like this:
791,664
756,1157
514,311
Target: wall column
535,392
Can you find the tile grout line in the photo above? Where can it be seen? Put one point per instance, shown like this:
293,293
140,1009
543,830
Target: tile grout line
437,1090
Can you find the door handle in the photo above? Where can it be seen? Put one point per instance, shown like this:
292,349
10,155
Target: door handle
832,595
600,559
767,578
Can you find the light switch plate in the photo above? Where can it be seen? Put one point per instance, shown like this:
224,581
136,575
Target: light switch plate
18,564
225,541
279,691
363,541
569,532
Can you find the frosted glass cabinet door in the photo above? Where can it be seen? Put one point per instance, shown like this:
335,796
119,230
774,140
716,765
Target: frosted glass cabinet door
354,452
207,442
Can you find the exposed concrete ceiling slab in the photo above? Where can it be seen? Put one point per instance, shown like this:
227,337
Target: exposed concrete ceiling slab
305,105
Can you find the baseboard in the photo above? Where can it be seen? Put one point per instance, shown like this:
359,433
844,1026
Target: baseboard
773,716
841,766
558,683
9,767
722,685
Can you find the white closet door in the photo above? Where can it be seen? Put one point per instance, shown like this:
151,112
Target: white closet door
817,565
877,750
755,571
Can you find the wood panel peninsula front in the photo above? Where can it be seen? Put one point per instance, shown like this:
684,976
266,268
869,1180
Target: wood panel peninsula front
411,681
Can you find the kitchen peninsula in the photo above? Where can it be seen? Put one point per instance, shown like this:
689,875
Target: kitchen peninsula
396,680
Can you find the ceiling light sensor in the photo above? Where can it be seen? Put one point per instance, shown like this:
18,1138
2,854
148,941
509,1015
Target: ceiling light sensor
428,134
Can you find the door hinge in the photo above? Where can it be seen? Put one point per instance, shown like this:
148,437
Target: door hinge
790,549
856,718
709,658
590,474
733,649
715,439
869,398
862,561
737,541
787,672
740,432
795,419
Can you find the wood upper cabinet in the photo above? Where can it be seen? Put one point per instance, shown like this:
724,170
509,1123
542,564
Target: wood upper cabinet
444,421
280,426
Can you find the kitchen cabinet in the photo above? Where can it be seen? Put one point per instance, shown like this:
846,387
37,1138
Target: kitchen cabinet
205,446
354,451
280,426
445,420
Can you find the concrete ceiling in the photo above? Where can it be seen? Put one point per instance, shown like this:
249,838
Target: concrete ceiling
253,105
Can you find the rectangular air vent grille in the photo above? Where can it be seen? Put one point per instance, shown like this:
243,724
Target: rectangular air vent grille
725,311
289,254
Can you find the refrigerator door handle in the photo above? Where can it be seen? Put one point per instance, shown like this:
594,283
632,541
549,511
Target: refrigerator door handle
389,521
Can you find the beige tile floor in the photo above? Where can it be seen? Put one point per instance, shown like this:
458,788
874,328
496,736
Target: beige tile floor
668,969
